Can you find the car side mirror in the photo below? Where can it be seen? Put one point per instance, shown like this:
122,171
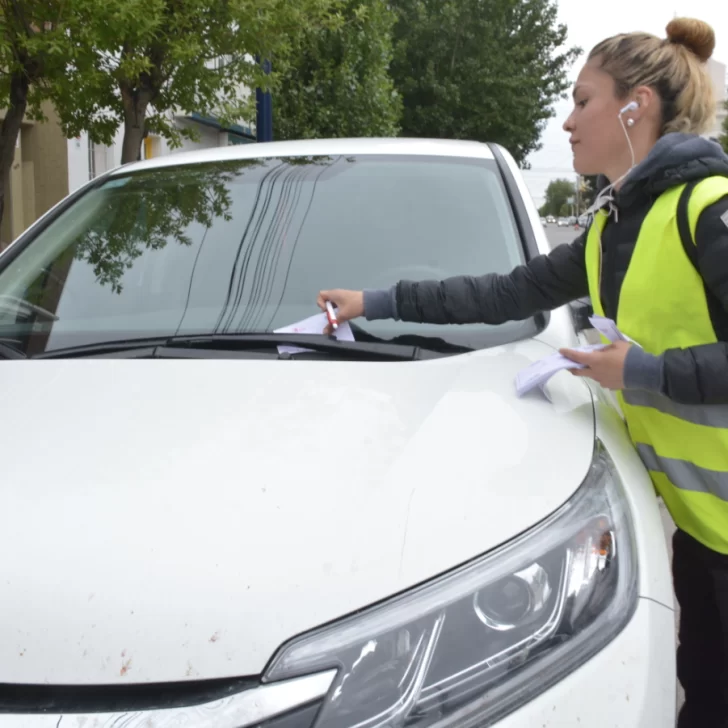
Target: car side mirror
581,310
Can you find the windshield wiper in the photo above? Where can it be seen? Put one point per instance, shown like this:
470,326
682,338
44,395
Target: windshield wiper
133,348
249,343
430,343
318,343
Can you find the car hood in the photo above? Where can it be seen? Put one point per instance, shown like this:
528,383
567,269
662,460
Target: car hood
178,520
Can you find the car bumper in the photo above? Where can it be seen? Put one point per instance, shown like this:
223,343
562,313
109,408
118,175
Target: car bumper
629,684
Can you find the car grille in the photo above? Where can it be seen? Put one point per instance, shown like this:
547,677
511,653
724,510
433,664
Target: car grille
117,698
226,703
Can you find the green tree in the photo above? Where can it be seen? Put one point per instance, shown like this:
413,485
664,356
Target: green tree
37,47
557,194
588,191
724,135
153,216
337,83
486,70
138,216
156,56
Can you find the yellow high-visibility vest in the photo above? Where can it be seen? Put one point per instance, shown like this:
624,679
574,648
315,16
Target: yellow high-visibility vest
663,305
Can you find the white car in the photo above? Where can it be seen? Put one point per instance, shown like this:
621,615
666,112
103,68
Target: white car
203,526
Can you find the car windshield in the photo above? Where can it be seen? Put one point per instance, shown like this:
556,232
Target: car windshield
245,245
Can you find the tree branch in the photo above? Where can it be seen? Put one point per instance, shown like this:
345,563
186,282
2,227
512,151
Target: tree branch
20,16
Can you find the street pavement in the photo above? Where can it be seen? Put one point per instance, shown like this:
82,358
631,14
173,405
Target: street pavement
560,236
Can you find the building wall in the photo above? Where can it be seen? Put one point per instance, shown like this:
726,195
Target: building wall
77,162
86,160
38,177
209,138
717,72
44,146
13,212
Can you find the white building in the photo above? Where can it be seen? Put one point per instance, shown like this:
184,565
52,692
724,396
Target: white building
87,160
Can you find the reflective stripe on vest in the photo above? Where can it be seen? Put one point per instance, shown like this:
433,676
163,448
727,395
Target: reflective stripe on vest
689,475
662,305
716,416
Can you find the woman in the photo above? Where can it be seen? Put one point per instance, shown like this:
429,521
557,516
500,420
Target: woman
640,103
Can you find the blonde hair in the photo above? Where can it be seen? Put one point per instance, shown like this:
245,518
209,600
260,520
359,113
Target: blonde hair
674,68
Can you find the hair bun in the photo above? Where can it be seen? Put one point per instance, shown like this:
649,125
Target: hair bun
696,35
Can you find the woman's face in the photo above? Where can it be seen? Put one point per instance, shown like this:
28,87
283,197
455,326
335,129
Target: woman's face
595,134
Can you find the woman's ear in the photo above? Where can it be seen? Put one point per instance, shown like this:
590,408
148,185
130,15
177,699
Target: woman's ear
645,97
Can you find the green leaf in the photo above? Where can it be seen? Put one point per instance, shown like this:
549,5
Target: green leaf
338,83
139,62
484,70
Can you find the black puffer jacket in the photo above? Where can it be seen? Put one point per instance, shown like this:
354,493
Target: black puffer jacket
692,376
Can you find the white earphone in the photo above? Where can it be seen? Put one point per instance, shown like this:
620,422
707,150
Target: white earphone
605,196
631,106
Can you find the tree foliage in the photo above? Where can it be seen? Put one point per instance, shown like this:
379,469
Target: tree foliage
153,216
337,83
475,69
724,135
588,191
486,70
557,194
38,45
156,56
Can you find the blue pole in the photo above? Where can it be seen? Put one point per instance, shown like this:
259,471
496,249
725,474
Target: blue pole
264,115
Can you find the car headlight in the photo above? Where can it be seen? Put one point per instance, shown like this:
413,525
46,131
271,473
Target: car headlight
468,648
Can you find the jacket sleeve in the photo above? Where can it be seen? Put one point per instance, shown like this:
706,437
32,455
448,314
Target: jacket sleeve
544,283
698,374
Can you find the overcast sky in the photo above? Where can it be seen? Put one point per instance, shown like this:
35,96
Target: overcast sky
587,25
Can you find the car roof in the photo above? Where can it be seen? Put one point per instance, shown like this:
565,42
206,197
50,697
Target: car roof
313,147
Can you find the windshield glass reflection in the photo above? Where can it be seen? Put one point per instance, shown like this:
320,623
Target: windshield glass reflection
244,245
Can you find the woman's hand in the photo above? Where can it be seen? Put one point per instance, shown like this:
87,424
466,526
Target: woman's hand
349,304
605,366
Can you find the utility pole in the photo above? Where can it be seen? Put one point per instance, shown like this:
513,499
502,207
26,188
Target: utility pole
264,109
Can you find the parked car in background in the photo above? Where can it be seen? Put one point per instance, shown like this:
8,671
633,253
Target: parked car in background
209,523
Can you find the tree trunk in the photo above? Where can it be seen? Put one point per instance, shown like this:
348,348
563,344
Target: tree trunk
135,103
19,85
132,144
